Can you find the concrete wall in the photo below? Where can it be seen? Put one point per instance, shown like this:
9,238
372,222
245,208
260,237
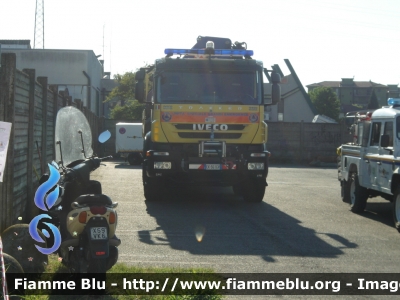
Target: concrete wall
305,142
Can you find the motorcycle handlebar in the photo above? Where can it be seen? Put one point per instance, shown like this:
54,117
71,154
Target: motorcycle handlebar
105,158
84,168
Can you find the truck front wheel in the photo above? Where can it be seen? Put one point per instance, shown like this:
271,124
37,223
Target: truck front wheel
237,189
345,191
358,195
153,188
253,191
396,209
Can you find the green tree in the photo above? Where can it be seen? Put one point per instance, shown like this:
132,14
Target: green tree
124,94
125,89
373,101
326,102
132,109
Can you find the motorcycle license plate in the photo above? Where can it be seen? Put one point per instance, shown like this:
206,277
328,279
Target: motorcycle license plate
213,167
98,233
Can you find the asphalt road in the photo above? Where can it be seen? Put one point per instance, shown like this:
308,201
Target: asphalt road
301,226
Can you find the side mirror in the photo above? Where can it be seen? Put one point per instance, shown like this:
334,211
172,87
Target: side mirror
275,93
104,136
275,78
139,75
384,140
276,88
140,86
139,91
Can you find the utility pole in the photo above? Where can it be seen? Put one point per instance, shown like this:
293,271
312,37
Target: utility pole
38,42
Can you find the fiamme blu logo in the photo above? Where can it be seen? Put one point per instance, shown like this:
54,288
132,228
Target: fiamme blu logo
46,203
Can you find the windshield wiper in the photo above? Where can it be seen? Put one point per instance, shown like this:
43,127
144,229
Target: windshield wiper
184,101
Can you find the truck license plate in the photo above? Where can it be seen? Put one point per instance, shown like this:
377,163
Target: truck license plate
98,233
212,167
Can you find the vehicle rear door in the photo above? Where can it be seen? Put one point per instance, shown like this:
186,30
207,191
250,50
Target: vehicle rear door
385,168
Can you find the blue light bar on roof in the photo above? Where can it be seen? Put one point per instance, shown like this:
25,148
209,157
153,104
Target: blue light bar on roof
241,52
393,101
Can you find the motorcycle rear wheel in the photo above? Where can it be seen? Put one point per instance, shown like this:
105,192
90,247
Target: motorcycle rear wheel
97,265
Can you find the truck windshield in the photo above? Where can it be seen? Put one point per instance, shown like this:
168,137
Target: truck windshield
209,87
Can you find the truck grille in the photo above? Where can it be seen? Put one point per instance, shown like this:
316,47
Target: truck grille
206,135
190,127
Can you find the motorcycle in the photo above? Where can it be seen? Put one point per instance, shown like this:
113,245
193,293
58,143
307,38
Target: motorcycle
86,218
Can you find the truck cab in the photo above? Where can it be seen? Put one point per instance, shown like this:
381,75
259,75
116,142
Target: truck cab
203,123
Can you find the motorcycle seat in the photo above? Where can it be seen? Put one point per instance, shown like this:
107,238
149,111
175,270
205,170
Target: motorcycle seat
94,199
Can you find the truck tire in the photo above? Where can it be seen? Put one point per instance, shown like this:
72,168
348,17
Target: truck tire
345,191
396,209
152,187
237,189
253,191
134,159
358,195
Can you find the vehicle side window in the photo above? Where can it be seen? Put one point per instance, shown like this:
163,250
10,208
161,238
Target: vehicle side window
398,127
375,134
389,131
365,134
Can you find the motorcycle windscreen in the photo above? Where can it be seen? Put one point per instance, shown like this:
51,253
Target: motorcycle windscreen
69,122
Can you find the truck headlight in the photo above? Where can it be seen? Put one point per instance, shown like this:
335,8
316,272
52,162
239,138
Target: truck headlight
255,166
162,165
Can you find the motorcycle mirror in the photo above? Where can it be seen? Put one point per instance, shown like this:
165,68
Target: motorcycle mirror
104,136
55,165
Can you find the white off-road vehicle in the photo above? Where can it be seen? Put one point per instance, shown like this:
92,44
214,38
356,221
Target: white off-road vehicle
370,165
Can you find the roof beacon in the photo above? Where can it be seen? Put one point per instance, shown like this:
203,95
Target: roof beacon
170,51
394,101
210,44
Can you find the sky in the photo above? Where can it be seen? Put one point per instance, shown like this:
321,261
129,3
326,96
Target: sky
325,40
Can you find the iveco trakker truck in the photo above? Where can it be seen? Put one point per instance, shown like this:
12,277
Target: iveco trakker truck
203,122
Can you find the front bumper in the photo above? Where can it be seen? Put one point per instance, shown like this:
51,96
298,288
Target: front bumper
206,170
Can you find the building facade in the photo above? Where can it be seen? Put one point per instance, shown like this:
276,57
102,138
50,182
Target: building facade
77,73
295,104
355,95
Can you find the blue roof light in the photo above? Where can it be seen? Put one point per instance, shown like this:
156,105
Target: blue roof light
393,101
241,52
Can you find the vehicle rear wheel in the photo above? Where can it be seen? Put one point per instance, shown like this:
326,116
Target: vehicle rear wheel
396,209
97,265
253,191
358,195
